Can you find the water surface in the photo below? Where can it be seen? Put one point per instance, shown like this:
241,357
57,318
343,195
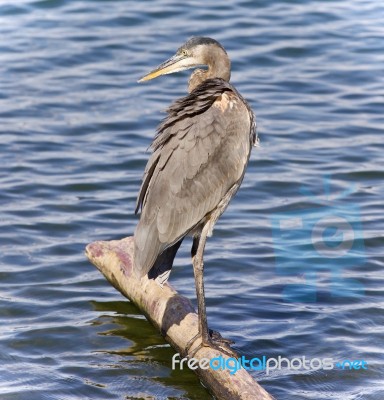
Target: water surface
74,131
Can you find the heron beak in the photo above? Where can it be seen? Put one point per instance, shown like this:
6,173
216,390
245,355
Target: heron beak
173,64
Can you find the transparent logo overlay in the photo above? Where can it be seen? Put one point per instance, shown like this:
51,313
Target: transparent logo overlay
324,238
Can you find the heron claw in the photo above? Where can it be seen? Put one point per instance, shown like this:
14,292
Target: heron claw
215,341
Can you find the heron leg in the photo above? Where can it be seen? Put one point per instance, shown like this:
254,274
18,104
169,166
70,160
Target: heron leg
208,337
198,248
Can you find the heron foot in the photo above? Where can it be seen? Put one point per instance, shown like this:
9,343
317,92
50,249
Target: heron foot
213,340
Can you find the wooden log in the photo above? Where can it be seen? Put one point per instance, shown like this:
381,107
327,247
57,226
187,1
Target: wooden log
173,315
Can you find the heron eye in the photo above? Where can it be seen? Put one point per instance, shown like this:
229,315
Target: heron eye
184,52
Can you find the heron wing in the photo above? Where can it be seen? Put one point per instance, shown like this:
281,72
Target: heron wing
201,151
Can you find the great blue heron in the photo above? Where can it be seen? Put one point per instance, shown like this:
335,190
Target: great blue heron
199,157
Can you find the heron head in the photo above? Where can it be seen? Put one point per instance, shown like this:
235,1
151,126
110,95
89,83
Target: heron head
197,51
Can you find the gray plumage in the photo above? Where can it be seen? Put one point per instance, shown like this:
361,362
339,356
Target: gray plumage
200,151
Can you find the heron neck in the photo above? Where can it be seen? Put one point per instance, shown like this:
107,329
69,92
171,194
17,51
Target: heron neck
217,68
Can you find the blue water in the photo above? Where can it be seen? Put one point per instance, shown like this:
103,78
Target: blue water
295,266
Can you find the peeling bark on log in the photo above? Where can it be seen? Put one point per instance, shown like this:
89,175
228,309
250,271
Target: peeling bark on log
172,314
